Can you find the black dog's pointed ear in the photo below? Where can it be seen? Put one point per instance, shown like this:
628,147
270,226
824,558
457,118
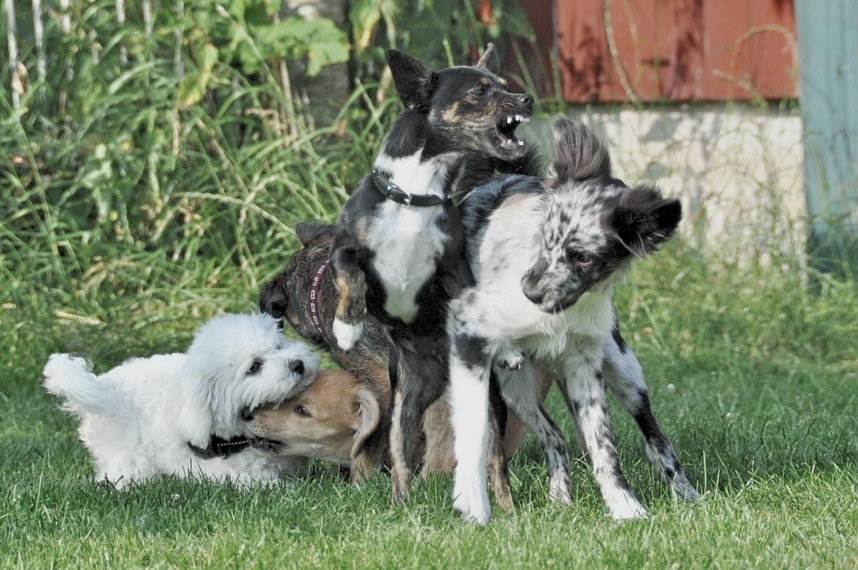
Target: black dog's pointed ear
490,60
644,220
414,81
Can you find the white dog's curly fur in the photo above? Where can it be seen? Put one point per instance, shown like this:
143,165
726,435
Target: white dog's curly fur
141,418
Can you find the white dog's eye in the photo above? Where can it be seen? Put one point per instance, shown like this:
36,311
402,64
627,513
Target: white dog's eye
254,367
302,411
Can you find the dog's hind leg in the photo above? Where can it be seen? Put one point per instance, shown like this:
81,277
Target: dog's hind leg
351,309
418,375
520,391
400,470
497,463
624,377
584,391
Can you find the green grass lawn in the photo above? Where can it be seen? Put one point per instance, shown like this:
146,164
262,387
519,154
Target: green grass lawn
752,376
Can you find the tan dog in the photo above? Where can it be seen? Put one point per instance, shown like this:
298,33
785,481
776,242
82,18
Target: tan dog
330,420
335,415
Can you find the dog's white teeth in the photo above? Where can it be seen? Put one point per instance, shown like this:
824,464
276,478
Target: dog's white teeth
509,120
520,142
519,118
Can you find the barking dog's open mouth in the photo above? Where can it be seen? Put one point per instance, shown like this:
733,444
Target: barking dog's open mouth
506,130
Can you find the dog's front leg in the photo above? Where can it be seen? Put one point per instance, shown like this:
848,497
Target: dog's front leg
469,399
520,390
584,390
351,284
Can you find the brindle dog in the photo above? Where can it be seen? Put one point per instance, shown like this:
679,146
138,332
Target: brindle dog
305,296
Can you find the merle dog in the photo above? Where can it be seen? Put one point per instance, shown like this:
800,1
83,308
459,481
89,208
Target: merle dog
547,255
399,249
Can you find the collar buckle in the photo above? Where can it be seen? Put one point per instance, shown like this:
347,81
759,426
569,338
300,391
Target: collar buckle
396,194
402,197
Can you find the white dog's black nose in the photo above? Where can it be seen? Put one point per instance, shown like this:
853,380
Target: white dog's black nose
247,414
297,366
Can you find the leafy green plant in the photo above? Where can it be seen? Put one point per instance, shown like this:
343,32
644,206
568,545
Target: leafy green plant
413,25
250,35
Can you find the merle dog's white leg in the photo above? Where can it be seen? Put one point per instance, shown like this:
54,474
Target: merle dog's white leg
625,378
469,399
585,393
520,392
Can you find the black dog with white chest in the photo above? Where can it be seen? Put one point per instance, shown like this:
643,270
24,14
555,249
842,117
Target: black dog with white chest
399,248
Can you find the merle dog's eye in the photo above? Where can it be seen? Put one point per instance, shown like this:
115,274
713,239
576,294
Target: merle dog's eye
579,257
254,367
302,411
478,92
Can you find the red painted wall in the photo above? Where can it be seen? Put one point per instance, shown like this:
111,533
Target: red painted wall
681,50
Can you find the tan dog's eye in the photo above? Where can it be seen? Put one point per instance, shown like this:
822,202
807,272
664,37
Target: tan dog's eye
302,411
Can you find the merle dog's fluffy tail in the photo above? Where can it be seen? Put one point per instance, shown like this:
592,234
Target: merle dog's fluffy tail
71,378
578,154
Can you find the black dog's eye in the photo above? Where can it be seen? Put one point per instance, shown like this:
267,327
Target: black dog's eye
478,92
254,367
302,411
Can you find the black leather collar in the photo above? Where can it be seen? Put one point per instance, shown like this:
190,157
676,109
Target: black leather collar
396,194
219,447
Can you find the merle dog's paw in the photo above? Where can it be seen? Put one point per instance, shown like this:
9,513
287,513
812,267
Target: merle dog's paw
625,507
346,334
511,359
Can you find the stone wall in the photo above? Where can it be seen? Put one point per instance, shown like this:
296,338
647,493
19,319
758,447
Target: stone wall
736,168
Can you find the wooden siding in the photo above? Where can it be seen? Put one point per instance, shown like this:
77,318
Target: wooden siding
617,50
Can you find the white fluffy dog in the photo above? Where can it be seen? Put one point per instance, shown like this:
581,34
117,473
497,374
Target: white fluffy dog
181,414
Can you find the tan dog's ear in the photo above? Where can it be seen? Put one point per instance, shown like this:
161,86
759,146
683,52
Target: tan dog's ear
366,406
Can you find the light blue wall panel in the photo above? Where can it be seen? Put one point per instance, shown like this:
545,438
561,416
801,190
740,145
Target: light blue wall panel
828,43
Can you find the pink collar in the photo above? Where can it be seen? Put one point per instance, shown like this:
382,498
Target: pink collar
314,297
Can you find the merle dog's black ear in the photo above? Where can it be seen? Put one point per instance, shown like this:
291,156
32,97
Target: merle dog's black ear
644,220
309,232
414,81
490,60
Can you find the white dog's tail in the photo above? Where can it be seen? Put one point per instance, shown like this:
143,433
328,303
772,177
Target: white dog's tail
71,378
